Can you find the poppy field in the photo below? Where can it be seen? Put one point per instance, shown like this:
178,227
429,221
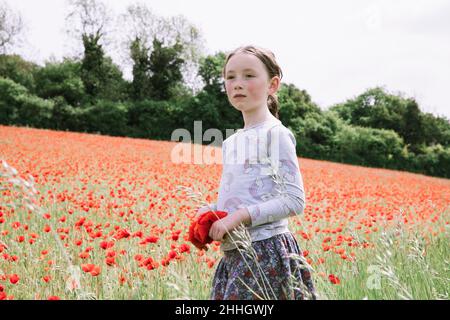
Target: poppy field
86,216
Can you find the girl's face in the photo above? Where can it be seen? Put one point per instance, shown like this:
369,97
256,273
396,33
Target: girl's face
246,75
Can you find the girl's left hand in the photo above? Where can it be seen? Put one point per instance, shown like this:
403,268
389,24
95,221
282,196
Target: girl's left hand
219,228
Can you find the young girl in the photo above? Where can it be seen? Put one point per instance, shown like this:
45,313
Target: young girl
251,195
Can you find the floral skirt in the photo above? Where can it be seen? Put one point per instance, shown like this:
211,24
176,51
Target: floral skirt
277,274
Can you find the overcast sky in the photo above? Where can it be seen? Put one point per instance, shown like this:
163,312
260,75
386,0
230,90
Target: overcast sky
333,49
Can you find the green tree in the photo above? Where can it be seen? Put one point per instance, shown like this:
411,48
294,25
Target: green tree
101,77
164,68
141,86
436,129
315,134
210,71
14,67
60,79
370,147
294,103
19,107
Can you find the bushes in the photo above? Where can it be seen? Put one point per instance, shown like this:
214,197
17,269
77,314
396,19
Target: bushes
18,106
105,117
435,161
66,117
155,119
34,111
18,70
315,134
9,93
60,80
370,147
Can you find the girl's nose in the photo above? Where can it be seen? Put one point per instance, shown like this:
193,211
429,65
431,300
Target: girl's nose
237,85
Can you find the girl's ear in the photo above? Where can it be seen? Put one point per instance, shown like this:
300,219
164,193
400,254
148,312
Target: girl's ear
274,84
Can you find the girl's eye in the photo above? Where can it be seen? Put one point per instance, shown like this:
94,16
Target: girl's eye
249,75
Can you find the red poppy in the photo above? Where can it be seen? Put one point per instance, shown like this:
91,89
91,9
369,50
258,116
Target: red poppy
87,267
110,261
172,254
199,229
184,248
95,271
14,278
334,279
106,244
84,255
123,233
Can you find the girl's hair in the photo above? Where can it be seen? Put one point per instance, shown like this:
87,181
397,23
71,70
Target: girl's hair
273,69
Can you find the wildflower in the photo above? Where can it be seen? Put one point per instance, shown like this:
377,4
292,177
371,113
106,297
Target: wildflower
122,279
334,279
199,229
184,248
123,233
151,239
110,261
84,255
14,278
172,254
138,257
87,267
91,268
106,244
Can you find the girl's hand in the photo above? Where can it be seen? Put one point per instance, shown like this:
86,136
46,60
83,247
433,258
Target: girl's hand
220,228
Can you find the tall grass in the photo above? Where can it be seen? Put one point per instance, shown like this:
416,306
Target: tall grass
402,261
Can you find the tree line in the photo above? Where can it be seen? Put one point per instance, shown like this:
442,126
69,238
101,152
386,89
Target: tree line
90,94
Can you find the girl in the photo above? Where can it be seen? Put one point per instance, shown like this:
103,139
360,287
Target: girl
249,189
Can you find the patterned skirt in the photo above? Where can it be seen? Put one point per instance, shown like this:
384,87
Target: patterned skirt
277,274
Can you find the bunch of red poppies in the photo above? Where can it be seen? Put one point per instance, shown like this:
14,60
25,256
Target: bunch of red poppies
199,229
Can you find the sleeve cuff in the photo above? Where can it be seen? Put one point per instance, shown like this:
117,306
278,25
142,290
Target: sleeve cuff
256,216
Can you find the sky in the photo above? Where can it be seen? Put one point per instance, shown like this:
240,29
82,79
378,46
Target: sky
335,50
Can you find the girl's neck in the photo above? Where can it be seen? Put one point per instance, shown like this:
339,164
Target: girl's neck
256,116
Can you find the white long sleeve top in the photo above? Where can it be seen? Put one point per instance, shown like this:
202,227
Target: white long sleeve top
261,173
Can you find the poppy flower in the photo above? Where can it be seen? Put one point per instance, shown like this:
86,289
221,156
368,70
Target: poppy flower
95,271
87,267
110,261
14,278
184,248
334,279
199,229
123,233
